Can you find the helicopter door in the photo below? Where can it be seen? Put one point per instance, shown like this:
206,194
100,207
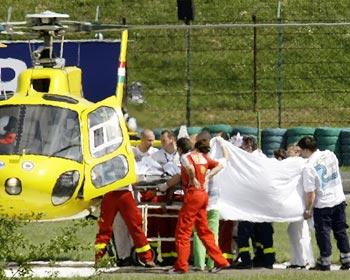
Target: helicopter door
109,161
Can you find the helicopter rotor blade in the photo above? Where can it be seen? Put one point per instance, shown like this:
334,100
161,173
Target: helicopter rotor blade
34,24
78,26
8,28
108,27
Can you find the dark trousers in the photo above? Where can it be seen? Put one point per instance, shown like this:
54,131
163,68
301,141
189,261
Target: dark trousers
264,250
327,219
261,235
245,232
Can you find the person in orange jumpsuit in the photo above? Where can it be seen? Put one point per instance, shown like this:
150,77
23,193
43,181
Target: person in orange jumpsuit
122,201
194,176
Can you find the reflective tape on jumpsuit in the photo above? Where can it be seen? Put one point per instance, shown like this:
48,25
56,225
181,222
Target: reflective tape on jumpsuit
269,250
100,246
228,256
244,249
170,254
143,249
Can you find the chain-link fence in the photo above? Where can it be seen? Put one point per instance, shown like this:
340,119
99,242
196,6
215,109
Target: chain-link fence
287,74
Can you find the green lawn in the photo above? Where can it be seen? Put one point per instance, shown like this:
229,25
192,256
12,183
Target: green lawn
238,275
74,240
84,234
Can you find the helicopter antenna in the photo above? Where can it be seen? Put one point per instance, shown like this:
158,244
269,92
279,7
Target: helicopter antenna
98,35
97,13
9,13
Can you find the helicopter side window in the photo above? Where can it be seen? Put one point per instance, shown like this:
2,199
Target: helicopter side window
109,171
104,131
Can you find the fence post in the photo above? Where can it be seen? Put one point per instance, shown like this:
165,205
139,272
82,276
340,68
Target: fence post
255,97
279,68
258,126
188,76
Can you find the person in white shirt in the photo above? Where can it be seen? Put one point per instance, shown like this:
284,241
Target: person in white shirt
169,160
168,153
298,231
145,147
325,202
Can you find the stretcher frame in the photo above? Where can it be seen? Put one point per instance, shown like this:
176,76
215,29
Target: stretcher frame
151,183
147,183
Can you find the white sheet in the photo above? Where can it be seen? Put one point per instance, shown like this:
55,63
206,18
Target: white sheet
259,189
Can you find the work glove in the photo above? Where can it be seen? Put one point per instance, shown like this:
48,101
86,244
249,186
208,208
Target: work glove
163,187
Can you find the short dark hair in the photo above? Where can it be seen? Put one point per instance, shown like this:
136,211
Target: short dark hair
204,134
249,141
224,135
202,146
308,143
184,144
280,154
169,133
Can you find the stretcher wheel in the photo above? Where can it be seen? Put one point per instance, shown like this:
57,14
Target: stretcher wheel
135,258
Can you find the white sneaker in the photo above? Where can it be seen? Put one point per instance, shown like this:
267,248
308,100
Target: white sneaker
173,270
216,269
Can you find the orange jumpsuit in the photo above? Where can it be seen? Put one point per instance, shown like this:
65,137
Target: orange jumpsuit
227,239
111,204
194,213
162,226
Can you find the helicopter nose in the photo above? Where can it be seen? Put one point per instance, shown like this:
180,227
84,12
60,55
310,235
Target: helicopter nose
13,186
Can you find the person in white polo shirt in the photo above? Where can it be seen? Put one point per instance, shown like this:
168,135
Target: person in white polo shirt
144,148
325,202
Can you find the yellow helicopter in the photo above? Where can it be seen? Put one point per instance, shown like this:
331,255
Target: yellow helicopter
58,151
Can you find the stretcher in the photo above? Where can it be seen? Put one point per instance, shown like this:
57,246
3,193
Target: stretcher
151,183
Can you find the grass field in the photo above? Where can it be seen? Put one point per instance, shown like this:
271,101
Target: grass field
238,275
84,234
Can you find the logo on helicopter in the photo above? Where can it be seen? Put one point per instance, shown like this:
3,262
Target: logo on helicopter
10,68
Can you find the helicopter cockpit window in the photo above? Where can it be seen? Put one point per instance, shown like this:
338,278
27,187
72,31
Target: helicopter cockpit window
104,131
42,130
